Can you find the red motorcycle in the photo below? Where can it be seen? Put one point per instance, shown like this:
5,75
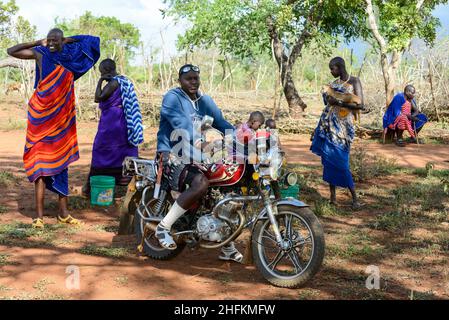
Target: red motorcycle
286,238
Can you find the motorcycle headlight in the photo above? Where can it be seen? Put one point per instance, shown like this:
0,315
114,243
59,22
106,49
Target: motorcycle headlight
291,179
275,166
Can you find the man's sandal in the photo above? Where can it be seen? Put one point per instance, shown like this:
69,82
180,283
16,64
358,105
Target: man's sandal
38,223
70,220
400,143
165,239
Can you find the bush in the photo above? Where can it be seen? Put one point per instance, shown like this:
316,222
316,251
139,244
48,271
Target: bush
392,221
365,167
7,179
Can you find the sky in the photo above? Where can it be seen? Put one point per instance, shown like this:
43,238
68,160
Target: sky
144,14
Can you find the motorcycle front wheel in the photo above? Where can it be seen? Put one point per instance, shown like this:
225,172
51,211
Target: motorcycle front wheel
296,263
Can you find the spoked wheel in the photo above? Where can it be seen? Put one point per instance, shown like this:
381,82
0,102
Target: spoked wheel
151,245
293,263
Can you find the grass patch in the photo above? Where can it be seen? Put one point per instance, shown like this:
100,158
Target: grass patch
18,233
428,193
417,295
225,279
427,250
352,251
443,241
393,222
4,288
308,294
7,179
121,280
69,231
109,252
17,230
14,124
42,284
78,203
430,172
365,167
4,259
27,296
3,209
323,208
103,228
75,203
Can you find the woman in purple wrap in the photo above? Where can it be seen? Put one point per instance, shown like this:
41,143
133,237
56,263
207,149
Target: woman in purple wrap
112,142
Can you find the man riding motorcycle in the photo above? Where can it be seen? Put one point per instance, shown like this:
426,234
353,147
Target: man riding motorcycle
182,111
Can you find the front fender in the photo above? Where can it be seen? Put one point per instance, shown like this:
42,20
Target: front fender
283,202
292,202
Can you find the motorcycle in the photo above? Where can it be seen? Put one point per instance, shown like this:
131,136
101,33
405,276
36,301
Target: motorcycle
286,240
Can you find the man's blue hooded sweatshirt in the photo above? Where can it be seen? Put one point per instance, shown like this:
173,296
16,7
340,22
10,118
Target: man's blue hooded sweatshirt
179,112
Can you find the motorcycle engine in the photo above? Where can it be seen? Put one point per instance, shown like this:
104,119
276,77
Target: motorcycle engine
212,229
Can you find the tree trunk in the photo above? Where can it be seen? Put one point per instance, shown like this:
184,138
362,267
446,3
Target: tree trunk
285,64
295,104
391,71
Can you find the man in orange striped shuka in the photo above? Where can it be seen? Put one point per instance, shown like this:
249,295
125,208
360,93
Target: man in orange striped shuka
51,140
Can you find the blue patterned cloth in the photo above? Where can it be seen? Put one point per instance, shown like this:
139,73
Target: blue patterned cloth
132,111
332,141
59,183
77,57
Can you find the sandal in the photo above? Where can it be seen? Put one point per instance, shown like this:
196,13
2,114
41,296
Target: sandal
38,223
400,143
356,206
165,239
230,253
69,220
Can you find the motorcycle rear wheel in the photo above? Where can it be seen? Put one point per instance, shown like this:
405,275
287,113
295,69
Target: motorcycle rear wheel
151,245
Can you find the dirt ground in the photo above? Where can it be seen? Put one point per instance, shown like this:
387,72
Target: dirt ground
33,265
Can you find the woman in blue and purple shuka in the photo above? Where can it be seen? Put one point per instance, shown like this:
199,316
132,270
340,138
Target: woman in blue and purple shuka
120,130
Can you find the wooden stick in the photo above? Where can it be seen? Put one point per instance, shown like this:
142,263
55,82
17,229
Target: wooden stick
416,132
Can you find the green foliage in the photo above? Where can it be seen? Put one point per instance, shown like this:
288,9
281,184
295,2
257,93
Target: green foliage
400,21
24,31
240,28
7,11
118,40
365,167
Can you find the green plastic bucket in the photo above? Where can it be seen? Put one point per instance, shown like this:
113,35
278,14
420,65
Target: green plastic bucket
290,192
102,190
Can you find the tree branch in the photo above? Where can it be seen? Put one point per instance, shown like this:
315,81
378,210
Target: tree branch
419,5
278,48
297,48
10,62
374,27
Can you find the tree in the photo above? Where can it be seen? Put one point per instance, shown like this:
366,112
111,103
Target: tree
391,27
281,28
118,40
7,12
